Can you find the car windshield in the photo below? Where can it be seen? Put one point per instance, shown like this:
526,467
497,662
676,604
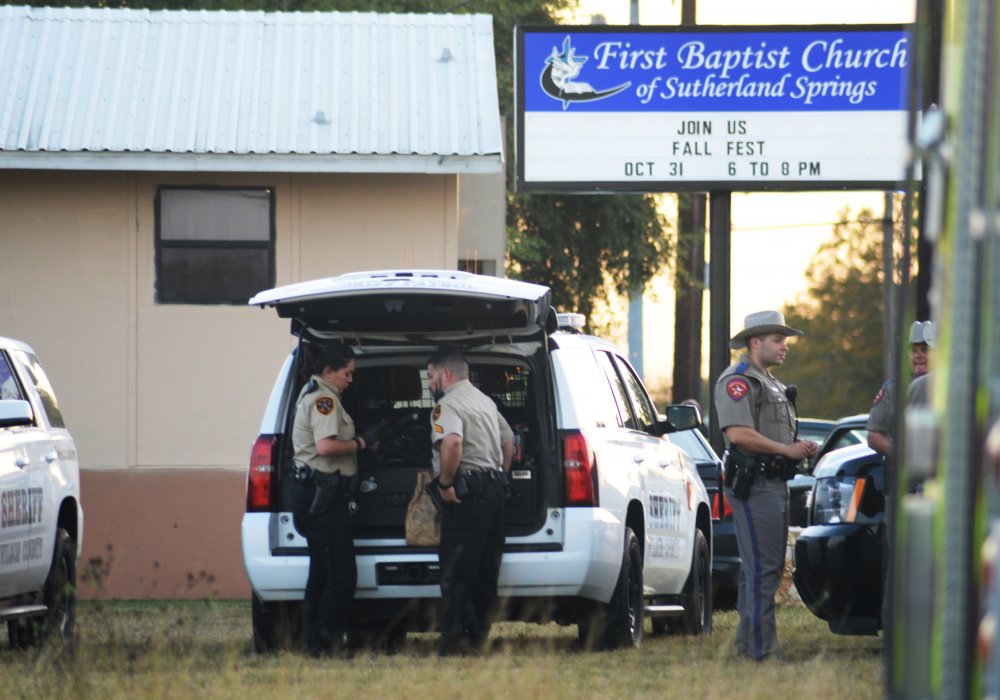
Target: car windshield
845,438
688,441
814,432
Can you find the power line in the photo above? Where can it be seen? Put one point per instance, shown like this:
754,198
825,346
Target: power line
813,225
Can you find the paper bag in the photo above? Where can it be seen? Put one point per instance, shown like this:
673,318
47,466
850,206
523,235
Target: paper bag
423,522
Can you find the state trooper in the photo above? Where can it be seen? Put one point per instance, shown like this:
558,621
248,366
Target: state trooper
326,464
883,410
473,447
756,413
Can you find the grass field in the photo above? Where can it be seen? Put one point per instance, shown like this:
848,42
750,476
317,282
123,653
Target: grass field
203,649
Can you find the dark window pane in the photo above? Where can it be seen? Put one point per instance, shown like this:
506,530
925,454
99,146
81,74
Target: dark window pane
201,275
621,396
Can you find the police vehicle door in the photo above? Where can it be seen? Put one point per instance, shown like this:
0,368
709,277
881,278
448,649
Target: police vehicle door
44,468
669,518
14,528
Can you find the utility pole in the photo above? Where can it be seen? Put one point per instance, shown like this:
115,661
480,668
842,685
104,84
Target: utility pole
635,334
690,285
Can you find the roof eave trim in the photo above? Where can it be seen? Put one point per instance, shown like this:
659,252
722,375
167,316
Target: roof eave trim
491,163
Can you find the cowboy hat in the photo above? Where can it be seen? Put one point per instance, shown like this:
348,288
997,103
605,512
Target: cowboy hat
762,323
923,332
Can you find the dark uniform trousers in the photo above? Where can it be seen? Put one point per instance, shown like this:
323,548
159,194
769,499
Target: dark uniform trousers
471,548
761,526
333,570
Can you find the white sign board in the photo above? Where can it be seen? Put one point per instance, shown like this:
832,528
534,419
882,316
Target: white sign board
659,109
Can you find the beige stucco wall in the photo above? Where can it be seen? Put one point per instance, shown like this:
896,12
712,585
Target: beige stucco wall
153,387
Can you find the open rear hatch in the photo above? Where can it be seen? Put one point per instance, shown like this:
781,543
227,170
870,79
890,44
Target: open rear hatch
413,305
400,316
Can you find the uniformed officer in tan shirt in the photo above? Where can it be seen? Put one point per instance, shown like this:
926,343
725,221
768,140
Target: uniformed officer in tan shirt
758,419
473,444
325,444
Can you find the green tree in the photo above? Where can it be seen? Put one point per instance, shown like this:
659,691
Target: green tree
581,248
838,365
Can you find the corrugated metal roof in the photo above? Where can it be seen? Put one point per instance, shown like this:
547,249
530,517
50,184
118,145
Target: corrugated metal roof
124,89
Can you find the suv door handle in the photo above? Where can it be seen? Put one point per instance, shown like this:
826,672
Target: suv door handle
638,458
22,462
51,457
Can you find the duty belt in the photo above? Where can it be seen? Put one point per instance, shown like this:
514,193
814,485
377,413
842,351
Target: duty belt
306,475
769,466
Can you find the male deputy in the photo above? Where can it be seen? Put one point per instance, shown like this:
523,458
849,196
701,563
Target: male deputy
757,416
880,417
472,445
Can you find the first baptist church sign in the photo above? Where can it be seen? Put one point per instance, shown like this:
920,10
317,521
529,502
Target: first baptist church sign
751,108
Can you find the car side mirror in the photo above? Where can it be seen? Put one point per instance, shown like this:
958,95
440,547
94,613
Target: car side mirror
15,413
680,417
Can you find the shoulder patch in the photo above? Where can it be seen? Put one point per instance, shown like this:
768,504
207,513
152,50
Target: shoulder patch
879,395
324,404
737,388
436,413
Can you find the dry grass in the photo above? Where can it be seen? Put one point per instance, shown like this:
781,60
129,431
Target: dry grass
185,650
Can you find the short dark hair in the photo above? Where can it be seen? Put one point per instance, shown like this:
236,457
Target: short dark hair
450,357
333,354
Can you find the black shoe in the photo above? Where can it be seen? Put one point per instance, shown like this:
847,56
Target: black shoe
455,646
329,645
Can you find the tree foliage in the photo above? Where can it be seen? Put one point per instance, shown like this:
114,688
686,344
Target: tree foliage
580,248
838,365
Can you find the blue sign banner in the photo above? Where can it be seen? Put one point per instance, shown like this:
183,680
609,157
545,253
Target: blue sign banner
617,69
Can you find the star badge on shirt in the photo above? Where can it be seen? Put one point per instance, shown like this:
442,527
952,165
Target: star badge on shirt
737,388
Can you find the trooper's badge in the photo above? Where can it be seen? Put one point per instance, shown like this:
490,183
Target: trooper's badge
437,412
324,404
737,388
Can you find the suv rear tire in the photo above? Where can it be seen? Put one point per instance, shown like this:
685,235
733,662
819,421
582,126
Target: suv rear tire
697,595
277,625
619,623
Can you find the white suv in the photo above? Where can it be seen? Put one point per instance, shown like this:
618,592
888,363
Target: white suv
608,520
41,522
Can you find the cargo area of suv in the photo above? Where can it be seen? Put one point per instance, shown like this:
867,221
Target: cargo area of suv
391,389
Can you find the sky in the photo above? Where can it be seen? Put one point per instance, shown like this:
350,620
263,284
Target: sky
774,235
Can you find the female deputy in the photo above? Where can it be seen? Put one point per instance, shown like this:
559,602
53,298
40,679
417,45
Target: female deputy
326,462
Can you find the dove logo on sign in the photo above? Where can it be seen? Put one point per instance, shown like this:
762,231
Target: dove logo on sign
559,78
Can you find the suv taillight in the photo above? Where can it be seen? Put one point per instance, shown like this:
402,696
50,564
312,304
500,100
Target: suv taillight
260,478
580,471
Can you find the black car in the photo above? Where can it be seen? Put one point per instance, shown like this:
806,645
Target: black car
838,558
725,557
851,430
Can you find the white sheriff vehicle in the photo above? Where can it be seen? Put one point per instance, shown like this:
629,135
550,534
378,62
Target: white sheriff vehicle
41,521
608,521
